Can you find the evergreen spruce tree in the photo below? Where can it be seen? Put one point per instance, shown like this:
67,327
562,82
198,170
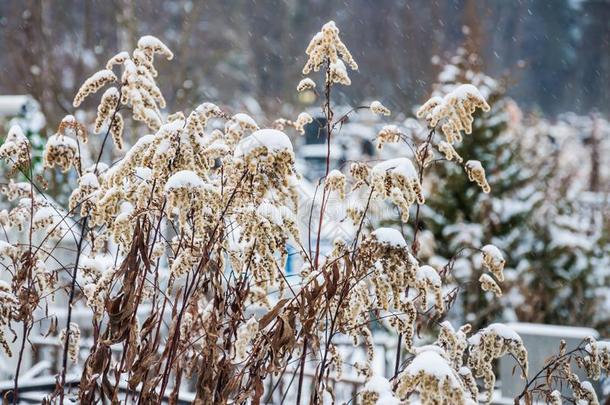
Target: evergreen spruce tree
476,217
531,215
564,272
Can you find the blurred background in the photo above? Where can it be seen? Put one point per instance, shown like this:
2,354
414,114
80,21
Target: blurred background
556,53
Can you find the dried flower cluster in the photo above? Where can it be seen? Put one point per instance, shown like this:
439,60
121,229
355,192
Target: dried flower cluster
491,343
489,284
137,89
449,151
389,134
302,120
306,84
590,355
378,390
432,377
16,147
476,173
378,108
437,373
327,46
245,334
493,261
93,84
73,341
8,304
398,181
454,112
335,181
62,149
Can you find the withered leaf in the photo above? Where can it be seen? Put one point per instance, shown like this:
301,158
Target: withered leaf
269,316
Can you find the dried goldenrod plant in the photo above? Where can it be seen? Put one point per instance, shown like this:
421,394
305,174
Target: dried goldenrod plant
180,249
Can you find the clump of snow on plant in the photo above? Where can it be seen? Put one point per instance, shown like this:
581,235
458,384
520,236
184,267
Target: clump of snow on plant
271,139
389,236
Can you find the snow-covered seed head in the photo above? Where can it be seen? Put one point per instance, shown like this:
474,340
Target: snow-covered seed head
449,151
378,390
185,192
9,305
397,180
245,335
491,343
117,59
306,84
43,217
379,109
209,110
302,120
389,134
489,284
335,181
392,269
153,45
182,264
10,251
13,190
266,151
493,261
428,279
73,341
281,123
97,291
116,130
338,73
93,84
245,122
432,377
108,105
476,173
454,112
554,398
360,172
596,359
327,46
62,149
586,393
70,127
16,147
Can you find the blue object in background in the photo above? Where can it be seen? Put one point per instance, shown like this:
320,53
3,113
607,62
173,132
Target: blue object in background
290,260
